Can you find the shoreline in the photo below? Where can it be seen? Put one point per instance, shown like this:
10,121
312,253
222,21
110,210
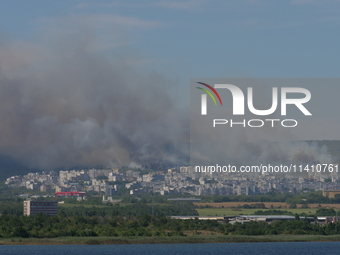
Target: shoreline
167,240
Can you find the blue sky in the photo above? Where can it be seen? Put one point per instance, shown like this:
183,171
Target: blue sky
195,38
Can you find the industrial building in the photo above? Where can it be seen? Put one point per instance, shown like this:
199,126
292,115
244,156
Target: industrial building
33,207
243,219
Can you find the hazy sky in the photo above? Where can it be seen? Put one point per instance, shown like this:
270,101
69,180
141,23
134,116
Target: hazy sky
101,82
198,38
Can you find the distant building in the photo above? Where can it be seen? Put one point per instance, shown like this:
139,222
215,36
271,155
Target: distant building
45,188
110,190
32,207
185,169
330,193
70,194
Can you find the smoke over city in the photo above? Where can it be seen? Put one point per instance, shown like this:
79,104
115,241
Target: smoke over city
70,105
244,142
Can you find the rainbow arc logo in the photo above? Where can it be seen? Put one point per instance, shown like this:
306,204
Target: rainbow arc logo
209,93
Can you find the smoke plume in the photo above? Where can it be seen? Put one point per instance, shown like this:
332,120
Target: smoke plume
67,105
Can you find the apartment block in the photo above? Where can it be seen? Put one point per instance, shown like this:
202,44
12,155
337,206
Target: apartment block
32,207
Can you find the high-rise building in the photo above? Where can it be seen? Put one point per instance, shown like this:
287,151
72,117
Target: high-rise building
32,207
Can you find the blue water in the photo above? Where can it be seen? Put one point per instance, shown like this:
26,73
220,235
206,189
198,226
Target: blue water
195,249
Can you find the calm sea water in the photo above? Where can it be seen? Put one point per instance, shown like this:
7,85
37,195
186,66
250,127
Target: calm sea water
194,249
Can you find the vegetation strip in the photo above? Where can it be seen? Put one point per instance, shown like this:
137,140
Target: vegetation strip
167,240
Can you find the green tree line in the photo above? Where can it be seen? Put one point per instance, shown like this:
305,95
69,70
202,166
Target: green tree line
42,226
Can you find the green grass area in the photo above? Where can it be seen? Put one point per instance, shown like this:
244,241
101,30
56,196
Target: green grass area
173,239
231,211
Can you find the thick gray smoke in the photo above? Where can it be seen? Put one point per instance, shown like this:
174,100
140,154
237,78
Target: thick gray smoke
70,106
245,145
